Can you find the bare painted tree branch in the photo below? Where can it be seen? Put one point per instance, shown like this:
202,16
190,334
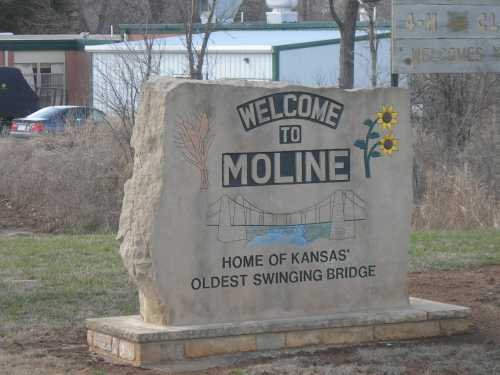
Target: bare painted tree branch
194,139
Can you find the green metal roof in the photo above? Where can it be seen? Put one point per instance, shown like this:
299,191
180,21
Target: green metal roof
12,44
179,27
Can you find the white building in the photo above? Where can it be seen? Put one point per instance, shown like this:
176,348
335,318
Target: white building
288,52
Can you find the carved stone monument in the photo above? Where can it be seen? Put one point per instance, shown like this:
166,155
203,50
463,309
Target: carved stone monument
267,216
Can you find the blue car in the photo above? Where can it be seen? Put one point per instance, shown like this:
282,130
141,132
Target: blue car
54,120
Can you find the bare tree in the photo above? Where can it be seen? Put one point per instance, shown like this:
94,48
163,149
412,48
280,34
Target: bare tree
452,106
157,9
121,74
96,16
253,10
373,41
452,116
347,28
497,153
101,9
196,52
37,16
119,79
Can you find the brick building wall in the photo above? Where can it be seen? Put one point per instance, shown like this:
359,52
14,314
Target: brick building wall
77,72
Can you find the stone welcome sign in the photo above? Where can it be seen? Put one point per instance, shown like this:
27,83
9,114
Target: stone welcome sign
258,214
262,205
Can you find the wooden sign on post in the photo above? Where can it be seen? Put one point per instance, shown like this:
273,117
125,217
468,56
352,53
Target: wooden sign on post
446,36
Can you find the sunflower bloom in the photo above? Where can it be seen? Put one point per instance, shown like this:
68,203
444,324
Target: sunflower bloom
387,118
388,144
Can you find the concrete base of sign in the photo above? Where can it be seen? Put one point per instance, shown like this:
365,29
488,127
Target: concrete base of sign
129,340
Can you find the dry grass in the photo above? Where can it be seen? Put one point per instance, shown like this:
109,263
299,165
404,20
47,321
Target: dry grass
454,190
74,183
454,199
71,182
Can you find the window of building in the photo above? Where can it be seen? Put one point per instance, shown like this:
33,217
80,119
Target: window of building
47,80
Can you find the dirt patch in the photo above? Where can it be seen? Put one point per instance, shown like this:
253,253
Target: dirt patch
479,289
62,352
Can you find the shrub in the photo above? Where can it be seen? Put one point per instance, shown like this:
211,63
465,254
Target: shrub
457,194
71,182
454,199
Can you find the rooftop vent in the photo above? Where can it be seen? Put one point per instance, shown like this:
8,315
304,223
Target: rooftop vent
282,11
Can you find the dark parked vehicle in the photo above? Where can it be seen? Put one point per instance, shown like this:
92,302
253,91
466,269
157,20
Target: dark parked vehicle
17,99
54,120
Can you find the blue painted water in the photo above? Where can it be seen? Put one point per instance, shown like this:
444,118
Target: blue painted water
297,235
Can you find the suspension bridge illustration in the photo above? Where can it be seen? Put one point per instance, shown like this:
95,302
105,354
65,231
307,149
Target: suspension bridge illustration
234,216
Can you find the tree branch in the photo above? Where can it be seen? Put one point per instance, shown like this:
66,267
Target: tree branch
209,26
189,19
335,15
103,13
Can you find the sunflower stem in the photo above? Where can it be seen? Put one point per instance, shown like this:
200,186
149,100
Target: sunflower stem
373,148
366,153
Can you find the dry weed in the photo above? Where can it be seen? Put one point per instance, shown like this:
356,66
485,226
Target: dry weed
454,199
454,192
70,182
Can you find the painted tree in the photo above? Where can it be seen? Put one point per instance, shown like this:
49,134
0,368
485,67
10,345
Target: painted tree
194,139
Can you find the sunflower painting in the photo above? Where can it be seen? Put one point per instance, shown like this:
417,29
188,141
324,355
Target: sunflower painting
387,143
387,118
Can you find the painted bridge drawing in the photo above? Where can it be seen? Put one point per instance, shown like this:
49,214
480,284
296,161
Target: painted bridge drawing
334,218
